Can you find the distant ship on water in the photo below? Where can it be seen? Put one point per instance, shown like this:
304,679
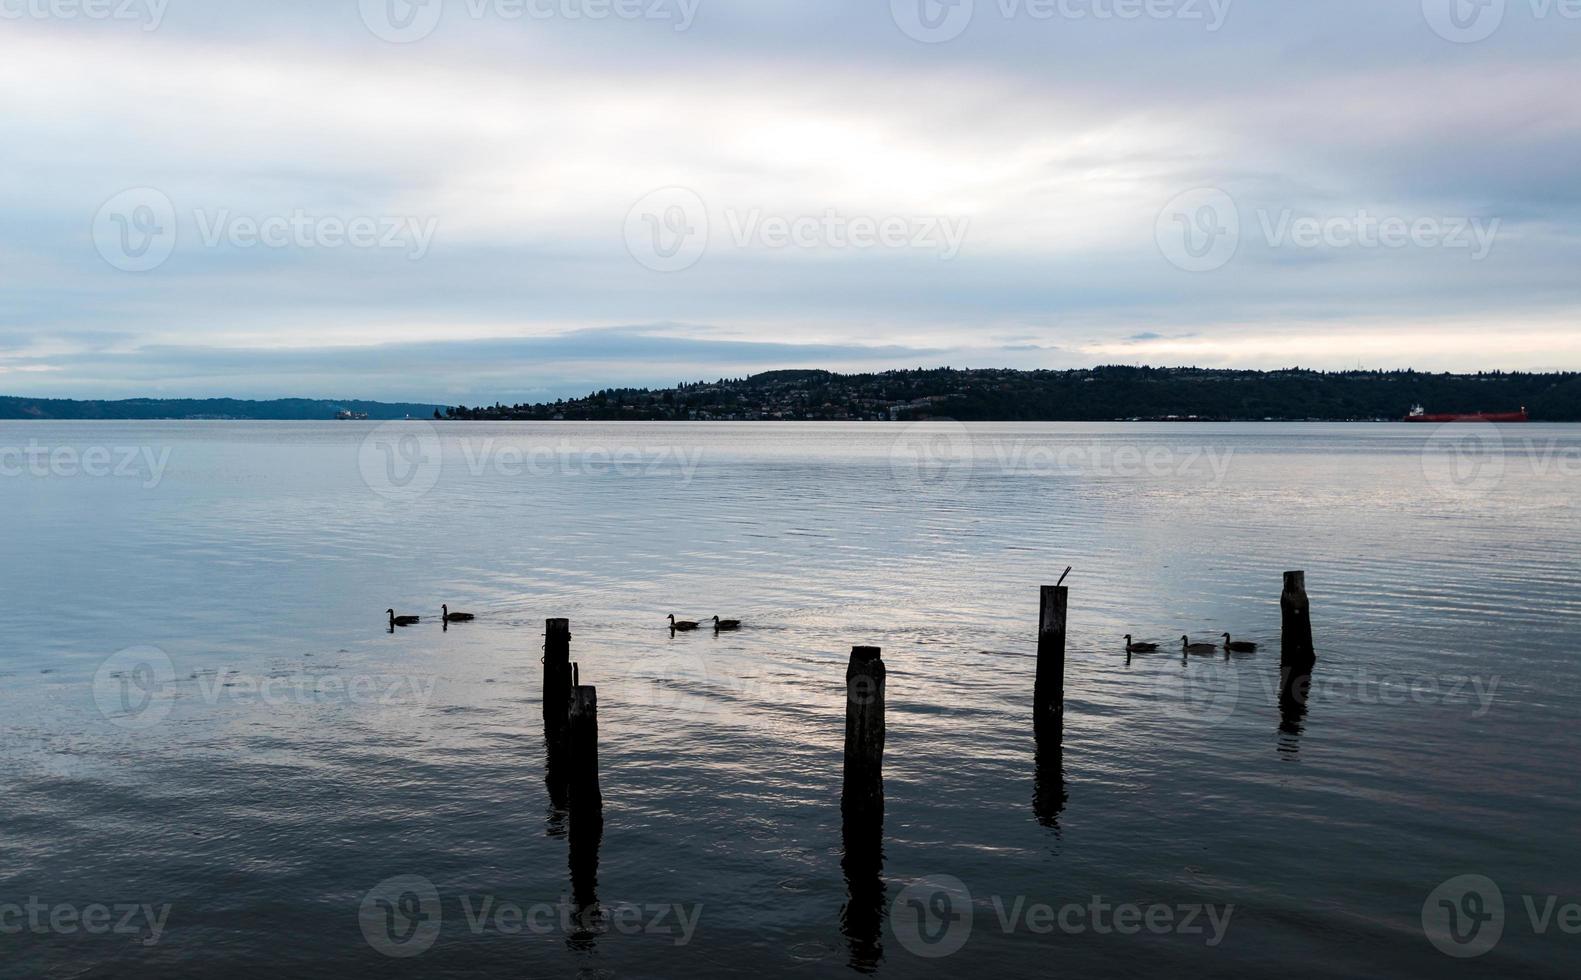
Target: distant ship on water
345,415
1419,414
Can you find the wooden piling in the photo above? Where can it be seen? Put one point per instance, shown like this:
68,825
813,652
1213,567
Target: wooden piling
556,674
1048,690
862,796
586,806
582,748
1297,655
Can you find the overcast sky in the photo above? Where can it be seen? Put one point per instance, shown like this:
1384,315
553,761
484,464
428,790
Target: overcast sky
470,200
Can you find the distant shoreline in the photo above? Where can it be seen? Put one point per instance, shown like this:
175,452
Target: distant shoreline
1101,394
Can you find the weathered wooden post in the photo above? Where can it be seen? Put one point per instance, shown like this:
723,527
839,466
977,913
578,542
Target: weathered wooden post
586,805
862,806
862,796
556,694
582,748
1297,655
556,672
1048,691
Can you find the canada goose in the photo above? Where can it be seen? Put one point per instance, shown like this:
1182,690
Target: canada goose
726,624
402,620
682,625
1239,646
1190,647
451,617
1138,647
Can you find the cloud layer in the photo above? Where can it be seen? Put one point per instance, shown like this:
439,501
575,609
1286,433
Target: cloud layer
514,200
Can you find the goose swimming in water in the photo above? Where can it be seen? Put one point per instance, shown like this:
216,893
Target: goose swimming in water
1138,647
683,625
402,620
451,617
1239,646
1190,647
726,624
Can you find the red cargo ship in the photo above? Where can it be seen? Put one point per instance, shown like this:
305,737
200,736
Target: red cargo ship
1418,414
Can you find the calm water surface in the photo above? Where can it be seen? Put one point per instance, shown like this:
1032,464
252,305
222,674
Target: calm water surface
201,707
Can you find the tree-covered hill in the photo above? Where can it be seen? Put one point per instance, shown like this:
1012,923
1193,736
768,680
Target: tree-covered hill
1084,395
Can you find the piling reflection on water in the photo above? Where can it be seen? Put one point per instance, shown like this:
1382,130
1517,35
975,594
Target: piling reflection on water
587,813
1049,794
862,917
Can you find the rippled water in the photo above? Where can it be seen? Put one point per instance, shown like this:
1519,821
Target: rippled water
203,708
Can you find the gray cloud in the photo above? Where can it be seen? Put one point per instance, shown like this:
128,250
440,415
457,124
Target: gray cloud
527,142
